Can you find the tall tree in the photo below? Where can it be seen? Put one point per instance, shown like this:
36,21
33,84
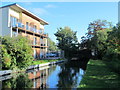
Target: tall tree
113,49
97,25
96,36
67,40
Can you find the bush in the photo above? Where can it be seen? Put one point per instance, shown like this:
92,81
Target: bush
16,52
6,58
113,49
113,61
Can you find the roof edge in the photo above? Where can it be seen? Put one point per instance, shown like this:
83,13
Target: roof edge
8,5
46,23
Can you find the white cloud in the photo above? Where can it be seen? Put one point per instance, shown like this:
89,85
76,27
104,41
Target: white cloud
50,6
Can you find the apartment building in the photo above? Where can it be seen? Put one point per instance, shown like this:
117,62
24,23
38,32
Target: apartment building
15,20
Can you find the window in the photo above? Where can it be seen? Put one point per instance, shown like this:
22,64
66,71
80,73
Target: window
14,21
35,28
27,26
35,41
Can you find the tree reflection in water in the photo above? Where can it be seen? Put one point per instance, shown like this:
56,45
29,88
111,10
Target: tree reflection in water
69,74
65,75
19,81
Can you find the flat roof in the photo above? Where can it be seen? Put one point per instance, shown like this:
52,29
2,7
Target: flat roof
14,5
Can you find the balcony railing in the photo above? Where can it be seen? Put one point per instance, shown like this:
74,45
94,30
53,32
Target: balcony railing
38,43
21,25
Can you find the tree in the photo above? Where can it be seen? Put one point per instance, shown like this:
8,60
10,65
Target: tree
67,41
99,42
52,46
113,49
96,37
97,25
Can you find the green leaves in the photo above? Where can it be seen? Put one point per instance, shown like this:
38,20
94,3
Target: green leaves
67,40
6,58
52,45
16,53
96,37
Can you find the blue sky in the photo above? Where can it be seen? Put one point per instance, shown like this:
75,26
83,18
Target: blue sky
76,15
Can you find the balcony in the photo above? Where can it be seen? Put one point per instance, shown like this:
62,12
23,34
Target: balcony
29,28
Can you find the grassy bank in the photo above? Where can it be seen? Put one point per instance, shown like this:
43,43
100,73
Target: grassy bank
98,75
43,61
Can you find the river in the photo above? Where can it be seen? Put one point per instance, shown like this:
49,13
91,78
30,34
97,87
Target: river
63,75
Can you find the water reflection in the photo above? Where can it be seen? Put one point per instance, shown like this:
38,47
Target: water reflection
70,75
65,75
18,81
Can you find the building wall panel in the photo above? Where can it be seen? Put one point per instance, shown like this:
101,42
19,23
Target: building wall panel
5,30
26,18
14,13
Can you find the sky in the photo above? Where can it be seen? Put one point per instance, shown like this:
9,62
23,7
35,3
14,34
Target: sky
76,15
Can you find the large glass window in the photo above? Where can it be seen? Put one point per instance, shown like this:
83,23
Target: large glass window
13,21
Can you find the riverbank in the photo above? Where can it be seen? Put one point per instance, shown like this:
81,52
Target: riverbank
44,61
34,64
98,75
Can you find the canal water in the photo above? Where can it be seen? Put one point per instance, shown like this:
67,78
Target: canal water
64,75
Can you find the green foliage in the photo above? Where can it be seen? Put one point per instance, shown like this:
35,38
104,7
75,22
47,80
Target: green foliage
97,25
99,42
17,52
6,59
105,41
113,49
67,40
96,37
52,46
114,39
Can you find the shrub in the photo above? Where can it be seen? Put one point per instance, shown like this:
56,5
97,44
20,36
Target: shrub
6,58
16,52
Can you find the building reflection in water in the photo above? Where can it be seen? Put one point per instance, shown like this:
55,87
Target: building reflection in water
39,77
58,76
36,78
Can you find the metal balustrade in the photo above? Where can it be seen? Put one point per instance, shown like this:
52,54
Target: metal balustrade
21,25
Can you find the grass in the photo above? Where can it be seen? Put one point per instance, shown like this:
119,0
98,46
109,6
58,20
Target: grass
98,75
43,61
